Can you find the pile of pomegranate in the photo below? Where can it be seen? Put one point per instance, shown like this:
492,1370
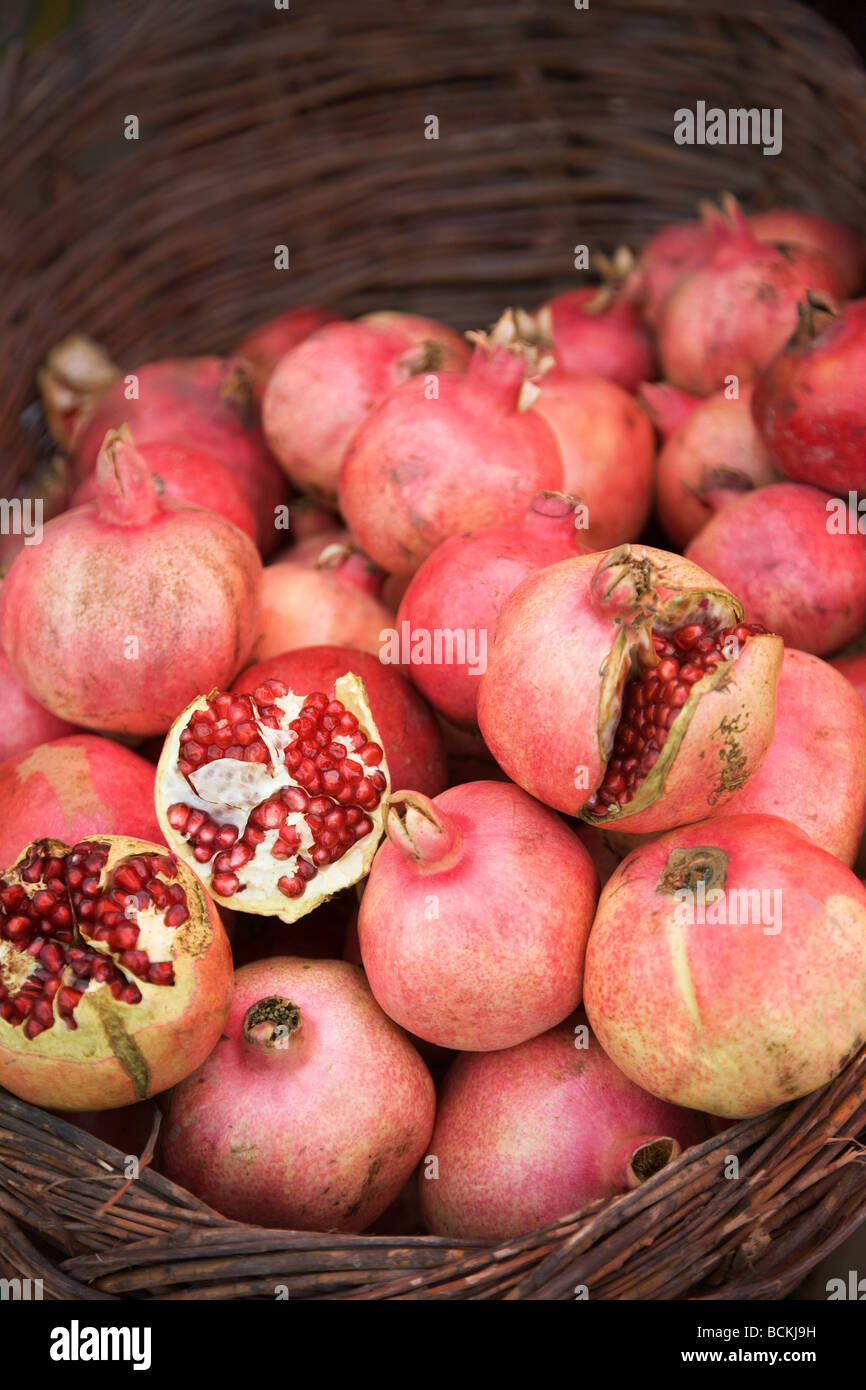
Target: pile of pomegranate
434,766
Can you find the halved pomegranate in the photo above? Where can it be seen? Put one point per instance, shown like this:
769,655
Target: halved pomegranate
276,799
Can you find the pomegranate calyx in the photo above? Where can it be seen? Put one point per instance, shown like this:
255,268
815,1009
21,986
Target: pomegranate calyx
271,1024
75,374
126,492
510,359
815,315
686,868
646,1157
614,270
417,828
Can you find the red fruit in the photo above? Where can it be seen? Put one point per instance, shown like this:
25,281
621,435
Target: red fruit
322,391
853,668
475,915
608,452
129,605
600,332
202,402
626,687
440,457
667,406
843,247
312,1110
787,553
733,313
411,739
115,973
72,788
302,606
446,619
276,800
338,554
25,722
726,970
189,477
673,252
808,404
265,345
538,1131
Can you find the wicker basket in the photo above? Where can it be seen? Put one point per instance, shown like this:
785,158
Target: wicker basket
305,127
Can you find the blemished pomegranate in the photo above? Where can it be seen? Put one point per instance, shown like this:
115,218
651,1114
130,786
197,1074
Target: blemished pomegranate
115,973
801,227
263,347
313,1108
792,556
25,723
74,787
413,744
598,330
131,604
627,687
475,915
535,1132
302,605
726,970
277,800
460,589
449,453
320,393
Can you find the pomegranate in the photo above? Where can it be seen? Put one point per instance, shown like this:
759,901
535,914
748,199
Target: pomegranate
843,247
667,406
435,459
608,452
475,915
302,607
277,800
853,668
39,494
263,347
535,1132
309,518
75,374
115,973
449,610
337,551
189,477
26,723
321,392
808,403
599,331
74,787
626,687
311,1111
130,605
414,748
670,254
797,567
726,969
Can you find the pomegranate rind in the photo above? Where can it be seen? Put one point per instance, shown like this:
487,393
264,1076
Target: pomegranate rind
265,899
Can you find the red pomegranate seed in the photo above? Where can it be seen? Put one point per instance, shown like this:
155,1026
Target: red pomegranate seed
270,814
226,885
161,973
292,887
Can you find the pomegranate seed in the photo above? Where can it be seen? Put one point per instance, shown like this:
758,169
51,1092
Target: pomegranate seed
270,814
370,754
161,974
292,887
226,884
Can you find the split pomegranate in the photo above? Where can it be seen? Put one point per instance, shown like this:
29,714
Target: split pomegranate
115,973
843,247
535,1132
790,553
130,605
263,347
475,915
438,458
599,331
302,605
626,686
726,969
25,722
277,800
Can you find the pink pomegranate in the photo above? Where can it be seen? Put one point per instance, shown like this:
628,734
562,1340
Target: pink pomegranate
321,392
790,553
667,406
263,347
446,619
130,605
74,787
853,668
475,915
670,254
115,973
302,607
336,551
25,722
726,970
538,1131
449,454
808,404
625,687
608,453
797,226
311,1111
413,744
599,331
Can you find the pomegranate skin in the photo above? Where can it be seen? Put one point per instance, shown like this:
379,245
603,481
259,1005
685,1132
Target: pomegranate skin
74,787
414,747
808,404
263,347
514,892
608,453
775,550
732,1018
26,723
611,342
843,247
670,254
535,1132
303,607
319,1134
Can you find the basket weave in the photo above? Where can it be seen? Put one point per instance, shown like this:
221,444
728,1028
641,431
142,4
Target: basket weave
306,128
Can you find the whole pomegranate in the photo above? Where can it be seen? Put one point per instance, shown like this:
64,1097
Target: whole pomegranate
26,723
115,973
130,605
670,254
413,745
313,1108
625,687
535,1132
263,347
726,970
797,226
73,787
790,553
449,454
599,331
302,605
475,915
459,591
